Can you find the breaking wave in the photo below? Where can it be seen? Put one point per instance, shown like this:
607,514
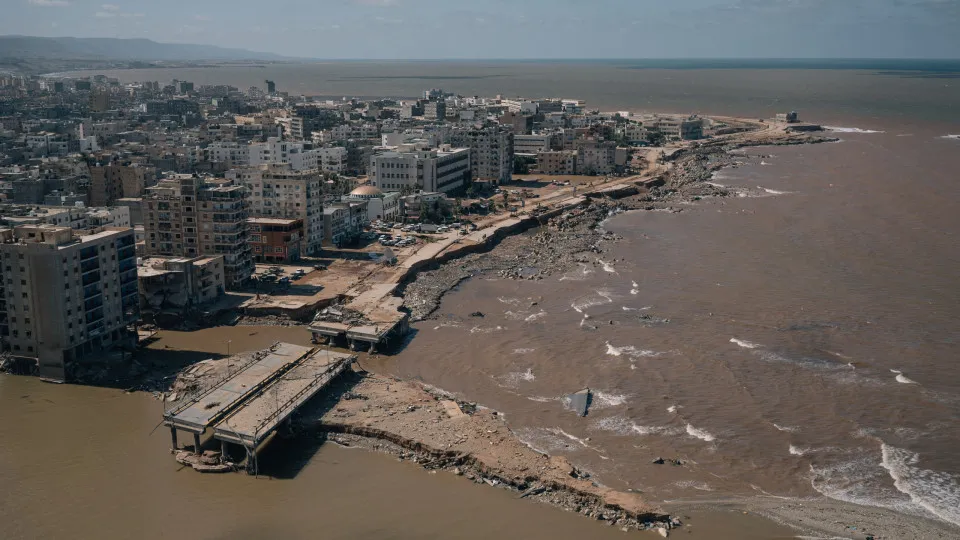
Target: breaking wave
901,378
774,191
536,316
486,330
630,351
523,351
603,400
797,451
788,429
701,434
607,267
836,129
512,380
600,298
954,137
745,344
937,492
644,308
624,426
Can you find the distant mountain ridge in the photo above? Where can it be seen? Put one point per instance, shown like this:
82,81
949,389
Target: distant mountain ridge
70,48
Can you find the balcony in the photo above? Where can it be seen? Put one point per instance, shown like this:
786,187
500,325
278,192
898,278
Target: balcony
90,278
91,291
94,317
89,265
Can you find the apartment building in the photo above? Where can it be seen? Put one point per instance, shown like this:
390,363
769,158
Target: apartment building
66,297
275,240
491,152
279,192
596,157
560,162
532,144
186,217
115,181
406,168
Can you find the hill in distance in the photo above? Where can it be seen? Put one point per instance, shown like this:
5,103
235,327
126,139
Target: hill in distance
29,48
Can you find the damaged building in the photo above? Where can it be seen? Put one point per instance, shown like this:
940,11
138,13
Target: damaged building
174,287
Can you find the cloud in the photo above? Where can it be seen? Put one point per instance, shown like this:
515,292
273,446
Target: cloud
113,11
53,3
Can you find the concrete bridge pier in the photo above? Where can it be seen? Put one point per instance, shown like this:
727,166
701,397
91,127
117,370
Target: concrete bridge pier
173,440
196,444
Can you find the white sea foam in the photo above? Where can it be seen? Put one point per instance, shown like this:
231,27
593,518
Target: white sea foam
765,163
644,308
673,408
541,399
774,191
788,429
797,451
509,301
517,377
635,290
536,316
836,129
693,484
486,329
600,298
745,344
937,492
901,378
523,351
603,400
624,426
701,434
630,351
954,137
607,267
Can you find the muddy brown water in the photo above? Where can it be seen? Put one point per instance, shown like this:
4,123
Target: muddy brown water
84,462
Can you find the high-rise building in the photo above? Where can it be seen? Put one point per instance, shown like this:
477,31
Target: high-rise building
183,216
66,297
271,87
491,152
279,192
100,100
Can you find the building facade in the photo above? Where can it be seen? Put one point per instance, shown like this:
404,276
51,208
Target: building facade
445,170
279,192
66,297
275,240
186,217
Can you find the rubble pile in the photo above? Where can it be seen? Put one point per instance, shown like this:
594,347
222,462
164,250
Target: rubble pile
342,314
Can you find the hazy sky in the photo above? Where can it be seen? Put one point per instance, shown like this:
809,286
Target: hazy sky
514,28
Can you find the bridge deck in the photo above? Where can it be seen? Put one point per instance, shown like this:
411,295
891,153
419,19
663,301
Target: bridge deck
208,408
250,423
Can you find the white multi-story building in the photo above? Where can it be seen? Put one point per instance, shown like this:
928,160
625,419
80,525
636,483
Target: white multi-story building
406,168
66,297
233,154
531,144
277,191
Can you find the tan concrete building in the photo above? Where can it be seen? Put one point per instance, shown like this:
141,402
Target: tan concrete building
65,296
111,182
278,192
171,287
563,162
185,216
